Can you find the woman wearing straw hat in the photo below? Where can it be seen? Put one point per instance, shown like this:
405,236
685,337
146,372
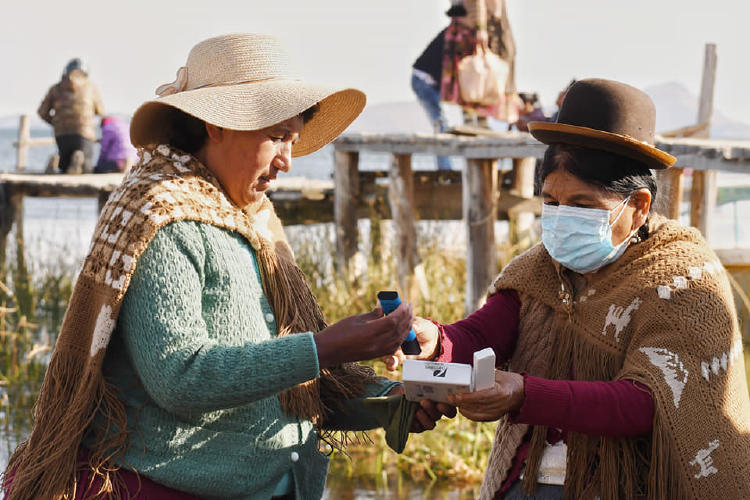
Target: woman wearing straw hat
193,351
625,375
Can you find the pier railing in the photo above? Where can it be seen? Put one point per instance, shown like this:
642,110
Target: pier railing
483,192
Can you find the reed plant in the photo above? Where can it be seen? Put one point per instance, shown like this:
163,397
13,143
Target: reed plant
31,311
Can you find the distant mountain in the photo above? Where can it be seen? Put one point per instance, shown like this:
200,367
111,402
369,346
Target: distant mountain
677,107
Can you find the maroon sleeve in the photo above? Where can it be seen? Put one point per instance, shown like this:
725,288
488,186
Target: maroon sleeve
620,408
493,325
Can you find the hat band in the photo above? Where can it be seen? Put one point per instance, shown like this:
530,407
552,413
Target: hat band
236,82
180,83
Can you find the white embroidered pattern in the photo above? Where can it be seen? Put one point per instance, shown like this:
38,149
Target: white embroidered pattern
675,373
620,317
713,266
102,330
704,461
681,282
588,294
260,223
721,362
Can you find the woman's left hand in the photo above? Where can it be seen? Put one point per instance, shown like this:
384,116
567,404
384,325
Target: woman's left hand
489,405
428,412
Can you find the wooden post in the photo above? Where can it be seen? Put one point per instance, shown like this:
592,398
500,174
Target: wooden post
346,195
7,217
102,199
670,184
403,213
22,149
479,212
519,223
703,192
22,279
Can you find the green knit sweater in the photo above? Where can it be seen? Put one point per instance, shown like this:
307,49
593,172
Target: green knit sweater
199,366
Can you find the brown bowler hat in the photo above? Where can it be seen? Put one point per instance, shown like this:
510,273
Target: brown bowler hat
606,115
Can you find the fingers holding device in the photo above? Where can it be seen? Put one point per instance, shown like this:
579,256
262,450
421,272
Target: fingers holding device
389,301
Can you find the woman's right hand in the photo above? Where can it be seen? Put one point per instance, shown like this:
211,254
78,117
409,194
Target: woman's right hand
364,336
428,336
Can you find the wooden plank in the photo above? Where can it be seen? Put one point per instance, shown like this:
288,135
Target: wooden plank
703,195
24,134
36,141
521,222
479,203
345,201
706,101
699,154
403,212
507,145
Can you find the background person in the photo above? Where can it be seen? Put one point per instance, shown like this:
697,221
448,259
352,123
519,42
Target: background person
625,371
70,107
485,22
116,153
530,111
193,359
425,82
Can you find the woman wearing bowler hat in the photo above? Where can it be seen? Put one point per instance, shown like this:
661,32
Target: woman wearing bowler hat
625,375
193,360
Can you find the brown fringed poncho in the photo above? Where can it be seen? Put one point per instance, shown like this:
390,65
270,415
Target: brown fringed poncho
167,185
663,314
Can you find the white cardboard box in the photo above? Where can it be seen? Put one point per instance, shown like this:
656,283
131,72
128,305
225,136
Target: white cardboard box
433,380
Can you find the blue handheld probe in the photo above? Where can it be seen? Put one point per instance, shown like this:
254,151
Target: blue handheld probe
389,301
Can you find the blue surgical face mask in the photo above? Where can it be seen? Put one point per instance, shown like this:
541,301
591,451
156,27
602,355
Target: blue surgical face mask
581,238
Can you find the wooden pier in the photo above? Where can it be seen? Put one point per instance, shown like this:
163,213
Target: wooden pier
479,195
487,194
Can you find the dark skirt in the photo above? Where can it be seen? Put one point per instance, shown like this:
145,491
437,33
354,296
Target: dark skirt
134,486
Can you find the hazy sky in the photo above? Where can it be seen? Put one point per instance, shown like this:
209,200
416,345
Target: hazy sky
133,46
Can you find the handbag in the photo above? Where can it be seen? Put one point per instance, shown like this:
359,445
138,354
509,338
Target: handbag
482,77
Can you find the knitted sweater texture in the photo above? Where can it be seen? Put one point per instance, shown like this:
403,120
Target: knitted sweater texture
202,369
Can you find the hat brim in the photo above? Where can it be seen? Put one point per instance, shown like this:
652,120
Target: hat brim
562,133
254,106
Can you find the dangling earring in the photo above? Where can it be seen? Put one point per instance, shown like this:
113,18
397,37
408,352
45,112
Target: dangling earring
636,238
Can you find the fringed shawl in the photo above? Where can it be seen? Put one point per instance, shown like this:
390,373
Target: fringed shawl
664,315
166,185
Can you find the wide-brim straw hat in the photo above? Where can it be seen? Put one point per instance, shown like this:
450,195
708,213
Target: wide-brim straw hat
606,115
246,82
